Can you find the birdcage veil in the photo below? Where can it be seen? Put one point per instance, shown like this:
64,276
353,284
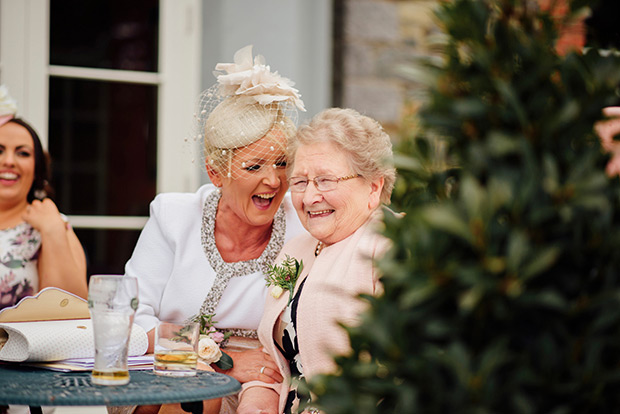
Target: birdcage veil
248,102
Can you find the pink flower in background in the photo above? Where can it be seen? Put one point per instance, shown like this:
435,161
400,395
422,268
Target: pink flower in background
607,130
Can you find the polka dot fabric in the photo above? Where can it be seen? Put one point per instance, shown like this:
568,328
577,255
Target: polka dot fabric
57,340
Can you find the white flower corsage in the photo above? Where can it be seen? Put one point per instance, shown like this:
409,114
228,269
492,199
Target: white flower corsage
277,291
284,276
252,77
211,340
208,350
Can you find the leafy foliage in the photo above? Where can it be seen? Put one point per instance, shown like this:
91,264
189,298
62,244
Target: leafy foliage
284,275
502,292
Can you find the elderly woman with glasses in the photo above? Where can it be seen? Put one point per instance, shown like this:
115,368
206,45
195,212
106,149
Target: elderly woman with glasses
340,173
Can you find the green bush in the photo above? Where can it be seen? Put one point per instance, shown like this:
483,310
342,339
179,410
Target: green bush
502,289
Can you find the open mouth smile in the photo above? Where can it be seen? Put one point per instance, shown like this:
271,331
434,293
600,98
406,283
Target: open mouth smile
263,201
9,176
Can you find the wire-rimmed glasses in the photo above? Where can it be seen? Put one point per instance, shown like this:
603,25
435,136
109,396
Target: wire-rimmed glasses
322,182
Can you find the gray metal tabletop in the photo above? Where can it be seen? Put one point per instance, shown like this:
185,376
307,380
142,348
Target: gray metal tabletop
36,387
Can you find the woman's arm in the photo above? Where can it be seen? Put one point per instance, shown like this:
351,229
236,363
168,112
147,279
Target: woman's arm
258,400
252,365
152,263
62,262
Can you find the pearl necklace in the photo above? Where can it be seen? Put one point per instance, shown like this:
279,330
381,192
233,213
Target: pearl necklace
319,247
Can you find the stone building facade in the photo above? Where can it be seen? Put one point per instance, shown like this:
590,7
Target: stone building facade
375,42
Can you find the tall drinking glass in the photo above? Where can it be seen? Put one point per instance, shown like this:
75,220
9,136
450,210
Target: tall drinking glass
112,302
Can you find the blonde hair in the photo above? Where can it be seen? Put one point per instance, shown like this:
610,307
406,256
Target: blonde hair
367,145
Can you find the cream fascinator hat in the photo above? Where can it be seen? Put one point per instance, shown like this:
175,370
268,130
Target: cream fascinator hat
8,106
247,103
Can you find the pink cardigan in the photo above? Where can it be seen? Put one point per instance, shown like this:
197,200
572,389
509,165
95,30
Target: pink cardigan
335,277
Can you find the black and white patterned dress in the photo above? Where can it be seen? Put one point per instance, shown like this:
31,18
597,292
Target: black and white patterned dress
288,346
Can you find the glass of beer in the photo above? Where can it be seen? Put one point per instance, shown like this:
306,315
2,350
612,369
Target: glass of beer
112,302
176,346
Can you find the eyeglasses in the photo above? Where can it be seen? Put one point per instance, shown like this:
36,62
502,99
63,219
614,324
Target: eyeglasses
322,183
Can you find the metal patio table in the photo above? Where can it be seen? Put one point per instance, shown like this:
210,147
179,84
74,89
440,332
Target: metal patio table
35,387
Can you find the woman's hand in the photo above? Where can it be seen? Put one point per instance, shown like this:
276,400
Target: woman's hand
62,262
45,217
253,365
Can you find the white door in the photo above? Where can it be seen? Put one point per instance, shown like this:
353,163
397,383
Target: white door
110,86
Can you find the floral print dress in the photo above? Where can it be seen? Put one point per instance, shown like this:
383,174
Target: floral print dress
19,257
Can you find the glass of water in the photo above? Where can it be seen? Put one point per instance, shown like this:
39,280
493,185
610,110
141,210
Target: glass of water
112,302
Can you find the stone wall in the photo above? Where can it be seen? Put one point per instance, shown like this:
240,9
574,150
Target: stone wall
380,39
377,43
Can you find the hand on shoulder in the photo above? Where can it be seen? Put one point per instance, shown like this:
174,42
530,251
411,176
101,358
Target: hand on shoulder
44,216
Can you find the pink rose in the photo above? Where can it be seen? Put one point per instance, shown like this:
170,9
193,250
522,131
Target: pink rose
217,336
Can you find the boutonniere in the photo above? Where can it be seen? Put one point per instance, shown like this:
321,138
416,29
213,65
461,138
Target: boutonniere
284,276
210,343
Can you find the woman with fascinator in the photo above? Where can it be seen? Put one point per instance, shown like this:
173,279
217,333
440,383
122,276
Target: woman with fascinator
38,248
204,254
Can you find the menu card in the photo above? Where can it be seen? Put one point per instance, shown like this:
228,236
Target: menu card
53,325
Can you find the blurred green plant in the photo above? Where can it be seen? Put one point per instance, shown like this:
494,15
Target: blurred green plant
502,290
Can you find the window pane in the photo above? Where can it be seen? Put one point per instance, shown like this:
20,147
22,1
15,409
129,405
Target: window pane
107,251
105,34
102,140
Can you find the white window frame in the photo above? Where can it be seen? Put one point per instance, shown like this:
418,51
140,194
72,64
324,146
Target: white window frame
25,69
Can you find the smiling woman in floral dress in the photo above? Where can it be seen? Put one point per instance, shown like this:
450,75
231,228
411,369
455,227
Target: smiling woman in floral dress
205,253
37,247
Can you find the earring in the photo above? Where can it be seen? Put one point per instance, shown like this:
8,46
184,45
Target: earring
40,194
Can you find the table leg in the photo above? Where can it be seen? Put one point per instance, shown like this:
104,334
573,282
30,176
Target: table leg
35,410
194,407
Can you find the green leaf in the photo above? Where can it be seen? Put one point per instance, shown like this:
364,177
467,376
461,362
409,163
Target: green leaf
518,249
225,362
501,144
473,195
541,262
447,219
404,162
508,94
415,296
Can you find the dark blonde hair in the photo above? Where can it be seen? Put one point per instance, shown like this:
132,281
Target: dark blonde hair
367,145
